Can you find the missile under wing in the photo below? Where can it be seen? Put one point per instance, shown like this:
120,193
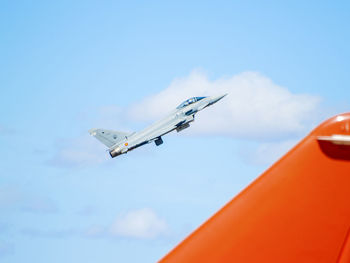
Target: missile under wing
179,119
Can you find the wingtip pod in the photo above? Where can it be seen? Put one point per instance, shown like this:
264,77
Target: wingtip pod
296,211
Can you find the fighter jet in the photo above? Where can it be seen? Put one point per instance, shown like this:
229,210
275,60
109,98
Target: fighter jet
179,119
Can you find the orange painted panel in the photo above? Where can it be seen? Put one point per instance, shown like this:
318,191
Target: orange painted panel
296,211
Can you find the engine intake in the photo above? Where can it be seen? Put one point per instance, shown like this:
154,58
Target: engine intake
182,127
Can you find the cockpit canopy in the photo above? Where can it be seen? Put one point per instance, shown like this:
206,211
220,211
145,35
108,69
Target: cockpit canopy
189,101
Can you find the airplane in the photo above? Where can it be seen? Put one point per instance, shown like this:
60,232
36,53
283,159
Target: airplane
179,119
298,210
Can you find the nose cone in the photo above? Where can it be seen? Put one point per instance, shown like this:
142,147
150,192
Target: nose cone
215,99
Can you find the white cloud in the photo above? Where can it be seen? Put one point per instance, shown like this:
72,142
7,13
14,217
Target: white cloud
79,152
138,224
142,223
254,108
267,153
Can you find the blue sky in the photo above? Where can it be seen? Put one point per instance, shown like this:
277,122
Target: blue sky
69,66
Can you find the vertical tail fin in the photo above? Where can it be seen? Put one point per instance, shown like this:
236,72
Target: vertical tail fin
296,211
108,137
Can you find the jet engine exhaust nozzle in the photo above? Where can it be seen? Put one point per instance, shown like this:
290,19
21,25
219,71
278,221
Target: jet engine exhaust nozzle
115,152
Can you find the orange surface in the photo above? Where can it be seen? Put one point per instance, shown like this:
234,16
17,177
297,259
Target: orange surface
296,211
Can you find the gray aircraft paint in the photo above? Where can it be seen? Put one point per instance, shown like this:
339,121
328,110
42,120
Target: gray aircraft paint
179,119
